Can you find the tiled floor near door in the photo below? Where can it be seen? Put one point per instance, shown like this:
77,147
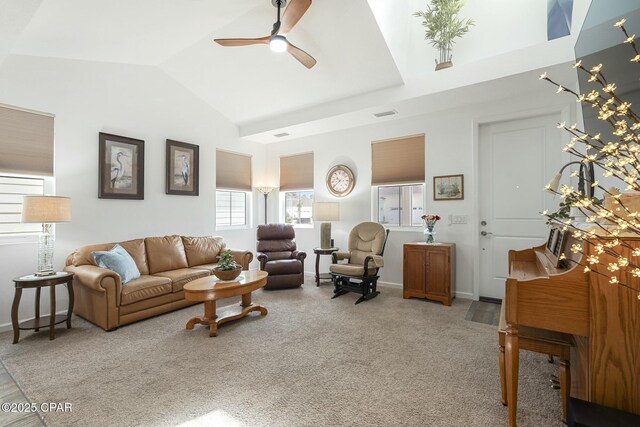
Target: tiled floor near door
11,393
484,312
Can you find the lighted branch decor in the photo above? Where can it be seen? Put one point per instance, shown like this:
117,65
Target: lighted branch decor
619,157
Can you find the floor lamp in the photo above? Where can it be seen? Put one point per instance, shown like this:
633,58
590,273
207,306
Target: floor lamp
326,211
265,191
46,210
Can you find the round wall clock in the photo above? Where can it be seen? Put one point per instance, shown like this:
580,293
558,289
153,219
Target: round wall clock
340,180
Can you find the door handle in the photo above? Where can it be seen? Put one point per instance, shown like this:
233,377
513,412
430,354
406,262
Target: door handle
485,233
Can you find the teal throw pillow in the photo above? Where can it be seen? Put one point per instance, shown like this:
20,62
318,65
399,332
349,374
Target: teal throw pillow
118,260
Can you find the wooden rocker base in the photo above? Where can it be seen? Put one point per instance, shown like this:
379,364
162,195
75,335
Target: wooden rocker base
367,289
227,314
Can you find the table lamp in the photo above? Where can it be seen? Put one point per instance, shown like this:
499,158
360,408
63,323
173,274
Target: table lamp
47,210
326,211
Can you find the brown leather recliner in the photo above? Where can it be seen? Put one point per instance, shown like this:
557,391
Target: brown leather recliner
278,256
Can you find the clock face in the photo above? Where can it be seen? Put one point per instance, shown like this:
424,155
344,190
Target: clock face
340,180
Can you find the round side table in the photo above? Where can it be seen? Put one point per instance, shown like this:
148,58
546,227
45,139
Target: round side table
39,282
319,252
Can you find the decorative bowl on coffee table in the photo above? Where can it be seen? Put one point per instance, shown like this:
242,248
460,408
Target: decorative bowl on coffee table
227,274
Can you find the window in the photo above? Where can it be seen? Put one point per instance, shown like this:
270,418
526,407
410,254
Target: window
298,207
231,208
233,174
12,191
296,183
397,165
401,205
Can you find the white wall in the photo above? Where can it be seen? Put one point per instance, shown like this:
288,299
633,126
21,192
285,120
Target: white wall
135,101
450,149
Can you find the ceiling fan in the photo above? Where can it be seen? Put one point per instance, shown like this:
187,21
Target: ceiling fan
277,41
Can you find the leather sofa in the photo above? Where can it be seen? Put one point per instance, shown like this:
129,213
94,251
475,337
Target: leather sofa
278,256
165,264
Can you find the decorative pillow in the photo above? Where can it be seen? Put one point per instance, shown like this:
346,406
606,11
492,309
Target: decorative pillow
118,260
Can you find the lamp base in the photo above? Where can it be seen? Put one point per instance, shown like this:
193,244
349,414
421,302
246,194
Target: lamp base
325,235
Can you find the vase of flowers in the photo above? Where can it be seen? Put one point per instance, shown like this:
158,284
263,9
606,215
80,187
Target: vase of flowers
430,224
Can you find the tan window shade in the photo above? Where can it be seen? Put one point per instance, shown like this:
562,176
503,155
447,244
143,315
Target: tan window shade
296,172
26,142
233,171
397,161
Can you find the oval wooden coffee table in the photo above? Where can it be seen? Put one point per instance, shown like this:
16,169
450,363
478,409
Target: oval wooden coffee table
210,289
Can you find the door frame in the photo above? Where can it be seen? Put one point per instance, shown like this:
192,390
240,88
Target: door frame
565,112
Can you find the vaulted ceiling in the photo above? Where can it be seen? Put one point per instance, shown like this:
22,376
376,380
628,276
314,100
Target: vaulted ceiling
370,53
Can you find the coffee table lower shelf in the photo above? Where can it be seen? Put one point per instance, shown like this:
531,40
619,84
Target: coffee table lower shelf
226,314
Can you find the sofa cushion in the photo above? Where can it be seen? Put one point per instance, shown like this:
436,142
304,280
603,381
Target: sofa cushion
118,260
202,250
135,248
143,288
208,267
181,276
165,253
283,266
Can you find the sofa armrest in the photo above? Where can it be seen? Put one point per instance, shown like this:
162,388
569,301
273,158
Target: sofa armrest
97,278
299,255
242,258
339,256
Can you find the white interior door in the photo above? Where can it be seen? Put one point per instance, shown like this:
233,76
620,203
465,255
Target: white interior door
517,159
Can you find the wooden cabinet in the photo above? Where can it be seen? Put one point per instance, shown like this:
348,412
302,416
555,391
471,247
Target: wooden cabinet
429,271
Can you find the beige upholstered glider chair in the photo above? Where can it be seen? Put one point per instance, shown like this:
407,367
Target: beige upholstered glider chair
364,260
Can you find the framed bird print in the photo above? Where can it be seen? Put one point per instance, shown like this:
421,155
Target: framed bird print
120,167
182,168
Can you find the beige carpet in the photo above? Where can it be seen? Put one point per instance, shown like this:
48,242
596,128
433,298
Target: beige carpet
312,361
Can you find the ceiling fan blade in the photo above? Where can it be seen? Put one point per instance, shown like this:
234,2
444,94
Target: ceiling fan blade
242,42
292,15
302,56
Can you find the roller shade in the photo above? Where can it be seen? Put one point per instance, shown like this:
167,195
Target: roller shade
296,172
233,171
26,142
398,161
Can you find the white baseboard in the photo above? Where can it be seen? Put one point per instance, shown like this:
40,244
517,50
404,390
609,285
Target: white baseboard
464,295
9,327
389,284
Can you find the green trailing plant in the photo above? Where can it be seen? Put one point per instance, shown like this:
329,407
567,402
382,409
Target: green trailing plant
226,261
443,26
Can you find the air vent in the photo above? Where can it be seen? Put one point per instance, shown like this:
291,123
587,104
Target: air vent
280,135
386,113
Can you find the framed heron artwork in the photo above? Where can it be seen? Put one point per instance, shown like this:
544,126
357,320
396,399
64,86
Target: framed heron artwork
121,167
182,168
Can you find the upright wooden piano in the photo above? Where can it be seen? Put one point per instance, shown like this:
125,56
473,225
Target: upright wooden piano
603,318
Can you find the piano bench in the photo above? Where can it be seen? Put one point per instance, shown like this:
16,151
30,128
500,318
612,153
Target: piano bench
540,341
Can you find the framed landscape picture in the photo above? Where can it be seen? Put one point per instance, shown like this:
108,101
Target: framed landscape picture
182,168
448,187
120,167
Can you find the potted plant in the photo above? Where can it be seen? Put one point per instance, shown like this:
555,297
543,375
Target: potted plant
227,268
443,26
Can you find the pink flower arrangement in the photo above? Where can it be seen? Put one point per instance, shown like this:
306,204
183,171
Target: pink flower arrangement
430,220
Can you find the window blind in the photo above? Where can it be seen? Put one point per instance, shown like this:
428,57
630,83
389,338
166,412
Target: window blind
12,191
398,161
233,171
26,142
296,172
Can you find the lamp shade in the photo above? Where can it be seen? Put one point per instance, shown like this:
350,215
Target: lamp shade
46,209
553,185
326,211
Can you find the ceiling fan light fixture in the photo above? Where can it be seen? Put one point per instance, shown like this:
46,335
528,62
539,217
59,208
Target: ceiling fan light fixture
278,44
